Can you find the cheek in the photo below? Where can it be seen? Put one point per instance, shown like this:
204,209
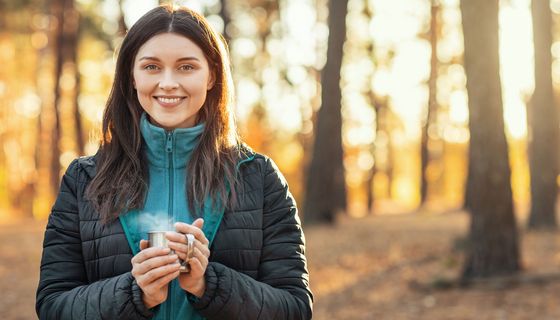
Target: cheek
142,83
198,85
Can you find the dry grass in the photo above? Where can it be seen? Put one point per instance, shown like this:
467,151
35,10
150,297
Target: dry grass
398,267
384,267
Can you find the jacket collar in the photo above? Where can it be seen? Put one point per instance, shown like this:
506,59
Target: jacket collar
165,148
89,163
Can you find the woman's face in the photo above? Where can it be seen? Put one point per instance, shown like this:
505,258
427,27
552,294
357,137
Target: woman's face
171,77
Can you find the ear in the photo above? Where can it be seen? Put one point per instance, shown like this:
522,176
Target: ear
211,81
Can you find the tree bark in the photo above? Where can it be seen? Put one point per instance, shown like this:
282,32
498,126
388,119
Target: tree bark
72,29
225,15
378,105
58,8
468,189
432,103
493,247
388,115
66,46
122,24
325,189
79,128
543,125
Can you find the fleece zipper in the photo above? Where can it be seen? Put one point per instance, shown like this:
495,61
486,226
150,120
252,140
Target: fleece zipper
169,151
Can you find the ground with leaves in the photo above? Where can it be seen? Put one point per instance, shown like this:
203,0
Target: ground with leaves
385,267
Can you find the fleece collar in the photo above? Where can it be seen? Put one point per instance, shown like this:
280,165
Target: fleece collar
169,148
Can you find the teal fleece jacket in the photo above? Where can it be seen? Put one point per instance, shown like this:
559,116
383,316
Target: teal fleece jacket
168,153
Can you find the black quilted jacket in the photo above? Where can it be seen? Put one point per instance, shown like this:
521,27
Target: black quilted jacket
257,265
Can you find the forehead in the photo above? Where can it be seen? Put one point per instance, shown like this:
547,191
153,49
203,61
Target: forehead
169,45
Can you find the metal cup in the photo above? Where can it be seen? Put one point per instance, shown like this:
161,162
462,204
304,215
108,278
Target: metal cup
190,252
158,239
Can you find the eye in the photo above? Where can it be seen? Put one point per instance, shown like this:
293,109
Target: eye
186,67
150,67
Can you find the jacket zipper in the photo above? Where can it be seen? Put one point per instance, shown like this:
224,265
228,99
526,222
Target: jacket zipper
169,150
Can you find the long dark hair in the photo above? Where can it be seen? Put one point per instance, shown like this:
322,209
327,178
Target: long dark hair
121,180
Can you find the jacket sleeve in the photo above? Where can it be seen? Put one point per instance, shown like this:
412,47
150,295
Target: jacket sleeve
64,291
281,290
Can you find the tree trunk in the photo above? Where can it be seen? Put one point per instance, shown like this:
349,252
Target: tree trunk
326,189
224,14
72,30
543,125
122,24
468,189
261,60
80,141
58,8
432,103
390,168
493,247
377,104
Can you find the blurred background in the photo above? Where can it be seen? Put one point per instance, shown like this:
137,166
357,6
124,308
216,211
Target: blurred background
412,133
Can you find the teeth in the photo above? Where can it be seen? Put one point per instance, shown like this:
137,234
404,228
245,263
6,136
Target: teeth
169,100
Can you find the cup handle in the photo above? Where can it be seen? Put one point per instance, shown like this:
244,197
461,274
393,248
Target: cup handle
190,245
185,267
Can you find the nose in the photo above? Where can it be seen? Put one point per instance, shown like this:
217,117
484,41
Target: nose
168,81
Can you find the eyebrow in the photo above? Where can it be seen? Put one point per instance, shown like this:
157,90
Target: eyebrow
178,60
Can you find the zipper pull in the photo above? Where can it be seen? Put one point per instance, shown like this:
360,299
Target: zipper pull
169,143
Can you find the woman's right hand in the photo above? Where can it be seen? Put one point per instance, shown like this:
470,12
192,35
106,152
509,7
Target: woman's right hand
153,268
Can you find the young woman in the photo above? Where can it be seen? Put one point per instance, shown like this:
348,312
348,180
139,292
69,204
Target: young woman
170,159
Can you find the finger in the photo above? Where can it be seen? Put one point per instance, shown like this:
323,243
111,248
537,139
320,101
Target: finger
159,283
200,256
143,244
181,245
175,236
203,248
149,253
179,248
182,255
182,239
198,223
198,264
148,279
154,263
185,228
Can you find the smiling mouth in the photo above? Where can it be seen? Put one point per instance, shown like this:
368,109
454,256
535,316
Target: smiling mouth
169,100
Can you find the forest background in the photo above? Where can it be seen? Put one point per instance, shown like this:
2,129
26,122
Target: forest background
419,137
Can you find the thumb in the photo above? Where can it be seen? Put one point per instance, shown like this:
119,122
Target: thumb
198,223
143,244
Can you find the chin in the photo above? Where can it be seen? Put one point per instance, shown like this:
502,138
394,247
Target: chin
163,122
171,120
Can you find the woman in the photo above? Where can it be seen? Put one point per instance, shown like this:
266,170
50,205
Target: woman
168,136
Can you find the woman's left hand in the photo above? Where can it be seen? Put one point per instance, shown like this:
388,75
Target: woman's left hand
193,281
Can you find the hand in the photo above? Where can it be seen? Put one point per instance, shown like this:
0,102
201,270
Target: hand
193,281
153,268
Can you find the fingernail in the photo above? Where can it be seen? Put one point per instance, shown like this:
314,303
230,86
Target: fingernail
166,250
